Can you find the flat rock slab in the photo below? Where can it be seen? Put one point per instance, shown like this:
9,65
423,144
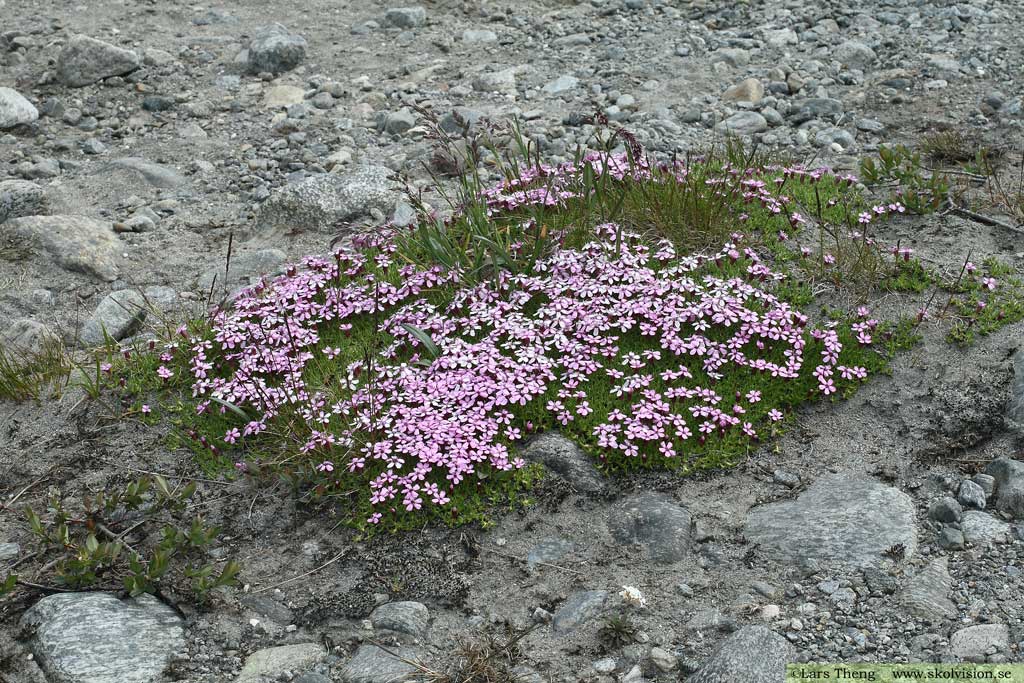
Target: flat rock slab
118,316
841,520
927,593
411,618
563,457
97,638
275,661
654,521
85,60
548,551
323,202
76,243
972,644
981,528
579,608
153,173
754,654
371,664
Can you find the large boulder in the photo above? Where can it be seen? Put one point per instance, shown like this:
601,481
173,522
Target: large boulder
275,49
842,520
754,654
97,638
323,202
76,243
15,110
85,60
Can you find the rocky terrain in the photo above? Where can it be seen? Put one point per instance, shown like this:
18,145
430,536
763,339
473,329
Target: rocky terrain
141,142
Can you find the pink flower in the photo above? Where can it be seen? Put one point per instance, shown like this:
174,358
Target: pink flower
325,466
989,283
232,435
774,415
146,409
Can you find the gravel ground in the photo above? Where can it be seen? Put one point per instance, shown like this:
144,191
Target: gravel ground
138,139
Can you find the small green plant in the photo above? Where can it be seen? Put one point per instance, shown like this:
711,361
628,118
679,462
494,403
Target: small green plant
28,376
89,546
617,631
901,169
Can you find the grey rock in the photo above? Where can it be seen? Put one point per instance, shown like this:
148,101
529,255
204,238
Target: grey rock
835,136
370,664
85,60
579,608
408,617
120,315
9,552
656,522
95,637
971,495
808,109
663,659
267,607
471,35
754,654
735,57
246,267
981,528
855,54
987,483
397,123
155,174
549,550
710,619
951,538
562,456
496,81
870,126
927,593
971,644
93,146
405,17
76,243
560,85
946,510
460,120
321,203
275,49
743,123
842,519
271,662
749,90
20,198
15,110
1009,486
25,336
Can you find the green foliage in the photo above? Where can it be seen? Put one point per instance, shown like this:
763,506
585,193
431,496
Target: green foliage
919,190
90,546
26,377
